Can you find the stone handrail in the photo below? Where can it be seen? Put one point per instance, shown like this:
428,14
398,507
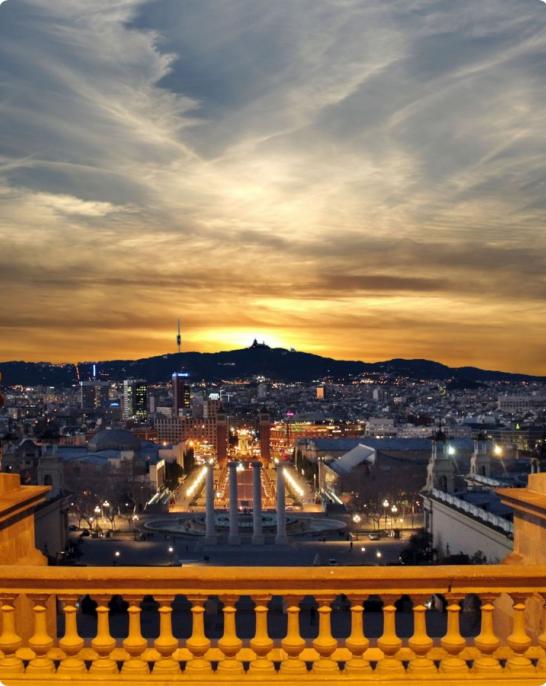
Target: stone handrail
454,656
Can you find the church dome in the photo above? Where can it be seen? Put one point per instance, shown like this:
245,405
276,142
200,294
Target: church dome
113,439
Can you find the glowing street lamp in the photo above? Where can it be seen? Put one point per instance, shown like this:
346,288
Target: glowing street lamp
357,518
451,450
379,555
497,450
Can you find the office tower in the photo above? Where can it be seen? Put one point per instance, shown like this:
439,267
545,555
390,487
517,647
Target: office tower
135,399
181,393
93,395
212,406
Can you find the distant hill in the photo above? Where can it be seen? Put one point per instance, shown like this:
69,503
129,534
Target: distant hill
274,363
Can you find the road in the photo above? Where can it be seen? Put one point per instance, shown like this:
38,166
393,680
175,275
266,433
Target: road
156,552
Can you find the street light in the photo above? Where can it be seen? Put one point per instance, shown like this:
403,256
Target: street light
378,554
357,518
385,505
363,549
116,557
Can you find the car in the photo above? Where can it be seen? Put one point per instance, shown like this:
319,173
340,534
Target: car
374,535
332,561
73,527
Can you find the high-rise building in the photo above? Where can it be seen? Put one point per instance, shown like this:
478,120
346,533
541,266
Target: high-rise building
93,395
181,393
211,406
135,399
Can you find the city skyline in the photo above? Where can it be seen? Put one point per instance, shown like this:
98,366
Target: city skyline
358,180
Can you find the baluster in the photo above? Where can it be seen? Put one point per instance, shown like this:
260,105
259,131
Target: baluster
10,641
71,643
389,642
357,642
261,644
542,637
486,641
40,641
166,643
518,640
420,642
230,643
325,643
103,643
293,643
135,643
198,644
453,643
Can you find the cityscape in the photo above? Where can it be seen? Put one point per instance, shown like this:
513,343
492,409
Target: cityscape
272,361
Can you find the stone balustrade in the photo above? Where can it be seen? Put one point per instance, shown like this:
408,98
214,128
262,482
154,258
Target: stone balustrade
474,511
339,624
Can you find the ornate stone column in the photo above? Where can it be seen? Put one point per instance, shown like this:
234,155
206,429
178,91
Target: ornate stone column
257,532
234,537
281,513
210,525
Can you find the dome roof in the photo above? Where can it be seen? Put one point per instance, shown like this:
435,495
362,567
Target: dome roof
113,439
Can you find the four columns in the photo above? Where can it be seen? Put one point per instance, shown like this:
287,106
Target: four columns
234,537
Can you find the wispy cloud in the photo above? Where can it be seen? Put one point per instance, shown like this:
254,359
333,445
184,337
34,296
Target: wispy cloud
363,179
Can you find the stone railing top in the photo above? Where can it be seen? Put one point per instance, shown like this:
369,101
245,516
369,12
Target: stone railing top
282,581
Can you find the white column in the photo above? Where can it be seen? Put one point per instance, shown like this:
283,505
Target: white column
234,537
210,526
257,532
281,513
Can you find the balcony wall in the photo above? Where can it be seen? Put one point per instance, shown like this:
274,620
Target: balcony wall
365,624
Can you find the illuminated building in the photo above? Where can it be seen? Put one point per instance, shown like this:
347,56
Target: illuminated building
135,399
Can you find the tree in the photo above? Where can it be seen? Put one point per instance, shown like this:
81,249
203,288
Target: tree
419,548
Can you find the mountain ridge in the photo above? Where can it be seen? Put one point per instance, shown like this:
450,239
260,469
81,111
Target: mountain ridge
277,364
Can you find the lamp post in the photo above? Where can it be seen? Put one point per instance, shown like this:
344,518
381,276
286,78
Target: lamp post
394,510
386,506
117,555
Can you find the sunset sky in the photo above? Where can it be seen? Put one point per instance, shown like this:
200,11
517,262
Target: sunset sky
364,179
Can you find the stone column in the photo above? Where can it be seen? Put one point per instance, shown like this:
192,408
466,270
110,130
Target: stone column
257,533
234,537
281,513
210,525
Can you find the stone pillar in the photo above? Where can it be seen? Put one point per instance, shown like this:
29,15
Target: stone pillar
234,537
281,512
210,526
257,533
